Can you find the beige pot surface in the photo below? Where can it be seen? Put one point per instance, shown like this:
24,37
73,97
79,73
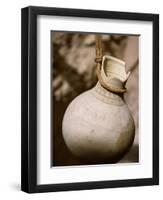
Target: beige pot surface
98,126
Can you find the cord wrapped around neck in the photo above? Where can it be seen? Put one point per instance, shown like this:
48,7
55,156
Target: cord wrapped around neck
98,60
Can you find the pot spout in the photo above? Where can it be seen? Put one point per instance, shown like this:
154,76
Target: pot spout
113,72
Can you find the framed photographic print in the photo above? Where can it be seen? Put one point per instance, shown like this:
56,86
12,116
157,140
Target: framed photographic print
90,99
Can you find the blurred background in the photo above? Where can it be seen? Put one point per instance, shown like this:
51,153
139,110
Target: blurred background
74,68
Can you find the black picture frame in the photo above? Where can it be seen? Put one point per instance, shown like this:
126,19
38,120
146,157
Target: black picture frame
29,98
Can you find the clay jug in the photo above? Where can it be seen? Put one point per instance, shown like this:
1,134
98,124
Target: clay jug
97,125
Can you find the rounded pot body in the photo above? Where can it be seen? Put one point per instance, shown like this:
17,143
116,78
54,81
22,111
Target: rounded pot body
98,126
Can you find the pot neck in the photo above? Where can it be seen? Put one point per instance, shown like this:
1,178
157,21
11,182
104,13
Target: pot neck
107,96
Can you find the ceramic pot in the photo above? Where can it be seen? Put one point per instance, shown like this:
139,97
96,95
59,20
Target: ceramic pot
98,126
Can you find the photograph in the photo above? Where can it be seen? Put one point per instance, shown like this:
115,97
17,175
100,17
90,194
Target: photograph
90,93
95,98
